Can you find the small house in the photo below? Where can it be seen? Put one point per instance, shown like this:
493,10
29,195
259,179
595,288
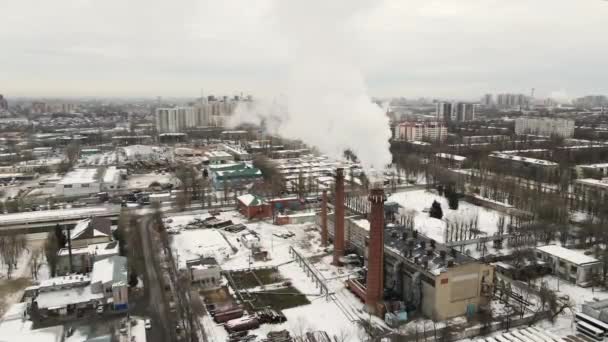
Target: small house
253,207
572,265
205,272
91,231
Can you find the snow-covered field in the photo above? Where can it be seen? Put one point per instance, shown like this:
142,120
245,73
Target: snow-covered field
334,314
578,295
144,152
142,181
419,201
100,159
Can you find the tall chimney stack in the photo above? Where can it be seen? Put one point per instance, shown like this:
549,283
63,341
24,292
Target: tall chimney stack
324,219
339,218
375,261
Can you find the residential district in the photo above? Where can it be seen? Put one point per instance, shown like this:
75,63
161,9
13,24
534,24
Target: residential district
160,220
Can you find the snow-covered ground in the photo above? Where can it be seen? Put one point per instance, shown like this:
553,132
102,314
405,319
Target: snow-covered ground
335,314
22,271
577,295
419,201
143,181
144,152
100,159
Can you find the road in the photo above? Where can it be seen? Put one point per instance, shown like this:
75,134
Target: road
153,284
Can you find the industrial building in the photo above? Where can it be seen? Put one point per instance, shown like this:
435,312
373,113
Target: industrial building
88,181
81,259
234,175
106,286
428,277
205,271
219,157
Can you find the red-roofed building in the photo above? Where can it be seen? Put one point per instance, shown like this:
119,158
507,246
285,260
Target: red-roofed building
253,207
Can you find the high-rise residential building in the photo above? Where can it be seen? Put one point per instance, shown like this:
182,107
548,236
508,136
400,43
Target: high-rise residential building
456,111
174,120
487,100
421,131
464,112
444,111
591,101
544,126
39,108
512,100
207,111
3,103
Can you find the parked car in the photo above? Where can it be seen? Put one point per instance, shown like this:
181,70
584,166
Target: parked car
148,324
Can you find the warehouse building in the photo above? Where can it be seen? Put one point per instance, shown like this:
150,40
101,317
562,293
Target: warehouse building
83,182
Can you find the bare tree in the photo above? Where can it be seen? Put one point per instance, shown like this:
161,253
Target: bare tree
35,263
51,248
549,304
11,248
181,200
342,336
72,152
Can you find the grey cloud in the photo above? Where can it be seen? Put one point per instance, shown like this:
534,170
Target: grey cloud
451,48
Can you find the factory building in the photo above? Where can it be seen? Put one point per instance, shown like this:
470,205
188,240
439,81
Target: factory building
429,277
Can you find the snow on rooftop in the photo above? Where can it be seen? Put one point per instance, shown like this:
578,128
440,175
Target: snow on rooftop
594,166
50,334
451,156
363,223
192,244
246,199
112,269
80,228
99,249
63,281
62,298
111,175
575,257
218,154
594,182
80,176
46,215
523,159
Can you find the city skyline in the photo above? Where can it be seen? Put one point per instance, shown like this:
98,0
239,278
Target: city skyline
431,48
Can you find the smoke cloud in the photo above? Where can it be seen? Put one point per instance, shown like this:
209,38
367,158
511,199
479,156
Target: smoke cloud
326,104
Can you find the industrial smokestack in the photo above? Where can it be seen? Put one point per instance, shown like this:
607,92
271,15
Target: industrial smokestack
339,217
375,261
324,220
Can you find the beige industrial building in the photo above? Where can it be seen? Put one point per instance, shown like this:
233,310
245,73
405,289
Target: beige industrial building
440,282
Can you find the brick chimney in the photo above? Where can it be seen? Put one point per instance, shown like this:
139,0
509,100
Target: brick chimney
375,261
324,220
339,217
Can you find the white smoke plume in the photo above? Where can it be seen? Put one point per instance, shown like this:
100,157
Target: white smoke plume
326,104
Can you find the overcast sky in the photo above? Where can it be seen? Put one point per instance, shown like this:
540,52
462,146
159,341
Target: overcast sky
411,48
